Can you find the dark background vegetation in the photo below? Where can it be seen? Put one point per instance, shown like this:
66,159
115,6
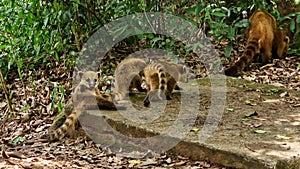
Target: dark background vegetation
35,33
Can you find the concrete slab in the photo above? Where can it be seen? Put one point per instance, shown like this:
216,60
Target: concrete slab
258,128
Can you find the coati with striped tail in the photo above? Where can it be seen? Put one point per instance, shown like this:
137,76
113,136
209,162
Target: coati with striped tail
128,76
85,94
263,37
163,76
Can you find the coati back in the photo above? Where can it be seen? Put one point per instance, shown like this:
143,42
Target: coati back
163,76
263,37
128,75
83,95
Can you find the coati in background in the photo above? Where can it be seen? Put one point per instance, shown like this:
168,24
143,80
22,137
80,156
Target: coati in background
263,37
83,95
128,75
280,44
163,76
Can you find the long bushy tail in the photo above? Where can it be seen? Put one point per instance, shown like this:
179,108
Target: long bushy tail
244,61
157,75
162,82
69,124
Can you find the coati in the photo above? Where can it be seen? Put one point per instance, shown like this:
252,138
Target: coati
83,95
263,37
163,76
280,44
128,76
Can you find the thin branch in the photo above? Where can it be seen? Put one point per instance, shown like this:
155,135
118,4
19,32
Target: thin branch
5,91
153,30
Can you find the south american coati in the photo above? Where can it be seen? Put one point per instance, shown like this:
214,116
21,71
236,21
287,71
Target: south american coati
128,75
82,97
263,37
163,76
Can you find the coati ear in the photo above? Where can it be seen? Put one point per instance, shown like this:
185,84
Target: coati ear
142,73
150,60
286,39
183,69
98,74
80,73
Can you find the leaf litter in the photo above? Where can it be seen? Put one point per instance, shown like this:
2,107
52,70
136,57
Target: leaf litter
35,113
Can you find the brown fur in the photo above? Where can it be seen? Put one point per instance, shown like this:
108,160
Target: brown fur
83,96
263,37
128,76
163,76
280,44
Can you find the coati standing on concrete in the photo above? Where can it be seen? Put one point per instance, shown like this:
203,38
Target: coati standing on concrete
163,76
128,75
263,37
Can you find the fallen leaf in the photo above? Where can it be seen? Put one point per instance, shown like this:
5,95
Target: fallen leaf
16,155
251,114
272,101
230,109
169,160
258,131
134,162
195,129
250,102
283,137
2,104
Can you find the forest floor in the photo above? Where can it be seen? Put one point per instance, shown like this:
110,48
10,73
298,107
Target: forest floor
35,99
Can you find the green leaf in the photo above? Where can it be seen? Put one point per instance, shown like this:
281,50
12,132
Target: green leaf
46,21
60,106
27,107
230,109
292,26
195,129
245,119
231,33
219,14
274,91
10,95
298,19
228,49
62,90
249,102
17,139
198,8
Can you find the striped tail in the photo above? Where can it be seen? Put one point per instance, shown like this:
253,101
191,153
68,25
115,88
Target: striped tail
162,82
244,61
68,125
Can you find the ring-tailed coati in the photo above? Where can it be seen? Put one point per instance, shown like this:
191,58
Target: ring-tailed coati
163,76
86,93
128,76
263,37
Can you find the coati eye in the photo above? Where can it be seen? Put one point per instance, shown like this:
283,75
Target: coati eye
95,80
88,80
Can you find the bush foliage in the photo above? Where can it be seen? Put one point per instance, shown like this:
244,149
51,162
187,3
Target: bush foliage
40,32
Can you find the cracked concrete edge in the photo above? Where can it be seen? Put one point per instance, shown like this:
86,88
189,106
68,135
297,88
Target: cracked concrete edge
207,152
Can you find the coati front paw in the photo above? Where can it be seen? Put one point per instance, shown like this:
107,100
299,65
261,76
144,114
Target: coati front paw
146,102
